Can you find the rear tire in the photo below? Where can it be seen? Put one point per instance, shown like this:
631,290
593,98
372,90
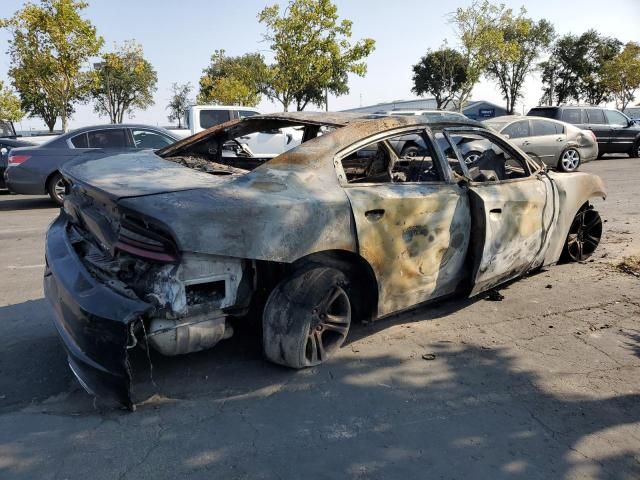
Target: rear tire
56,188
569,160
307,317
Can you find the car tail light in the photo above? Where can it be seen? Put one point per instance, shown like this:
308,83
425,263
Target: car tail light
145,241
17,159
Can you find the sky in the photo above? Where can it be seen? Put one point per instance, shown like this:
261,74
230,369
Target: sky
179,37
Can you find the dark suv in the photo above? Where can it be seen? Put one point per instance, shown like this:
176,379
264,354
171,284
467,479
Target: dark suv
616,133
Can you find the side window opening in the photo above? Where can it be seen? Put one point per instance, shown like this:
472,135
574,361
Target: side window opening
403,158
108,138
485,158
518,129
572,115
80,141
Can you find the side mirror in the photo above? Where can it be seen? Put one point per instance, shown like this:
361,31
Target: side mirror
3,151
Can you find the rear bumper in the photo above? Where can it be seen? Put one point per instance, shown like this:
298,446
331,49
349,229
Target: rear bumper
21,180
92,320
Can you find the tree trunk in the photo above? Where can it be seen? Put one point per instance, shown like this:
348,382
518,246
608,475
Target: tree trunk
51,124
64,119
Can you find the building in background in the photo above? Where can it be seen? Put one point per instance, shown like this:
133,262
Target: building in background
476,110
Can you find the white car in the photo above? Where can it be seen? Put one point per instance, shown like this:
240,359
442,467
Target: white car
266,144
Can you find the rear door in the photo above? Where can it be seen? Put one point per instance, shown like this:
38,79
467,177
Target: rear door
412,221
548,140
512,211
597,123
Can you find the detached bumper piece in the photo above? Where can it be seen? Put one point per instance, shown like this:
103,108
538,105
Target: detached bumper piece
92,320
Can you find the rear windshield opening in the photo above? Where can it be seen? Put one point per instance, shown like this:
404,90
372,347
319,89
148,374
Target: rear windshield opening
236,154
543,112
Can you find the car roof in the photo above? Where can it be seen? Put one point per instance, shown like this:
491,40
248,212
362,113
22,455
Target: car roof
358,125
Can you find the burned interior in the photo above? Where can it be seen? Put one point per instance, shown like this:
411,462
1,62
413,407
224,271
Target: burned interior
364,218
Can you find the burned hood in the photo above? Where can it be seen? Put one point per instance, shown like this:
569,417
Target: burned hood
276,214
134,174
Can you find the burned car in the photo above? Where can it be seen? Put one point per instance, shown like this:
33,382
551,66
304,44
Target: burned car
165,250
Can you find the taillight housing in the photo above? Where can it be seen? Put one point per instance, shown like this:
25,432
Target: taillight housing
17,159
146,241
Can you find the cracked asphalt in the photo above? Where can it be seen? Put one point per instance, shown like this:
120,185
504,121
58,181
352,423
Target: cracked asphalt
544,384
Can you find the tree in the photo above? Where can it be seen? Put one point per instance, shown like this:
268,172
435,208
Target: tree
621,75
478,36
50,42
122,82
9,105
440,73
233,80
575,69
313,55
179,102
521,43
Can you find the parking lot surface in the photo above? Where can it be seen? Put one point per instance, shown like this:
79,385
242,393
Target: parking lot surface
543,384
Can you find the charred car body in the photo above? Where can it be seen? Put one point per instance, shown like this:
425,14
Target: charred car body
163,250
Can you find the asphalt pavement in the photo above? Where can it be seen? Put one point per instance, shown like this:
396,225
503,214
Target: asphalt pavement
544,384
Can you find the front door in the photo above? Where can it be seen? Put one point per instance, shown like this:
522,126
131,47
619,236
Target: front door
512,210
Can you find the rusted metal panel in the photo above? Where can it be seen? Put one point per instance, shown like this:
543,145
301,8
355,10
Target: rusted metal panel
415,237
574,189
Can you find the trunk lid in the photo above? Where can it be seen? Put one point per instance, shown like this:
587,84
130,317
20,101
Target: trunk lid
146,174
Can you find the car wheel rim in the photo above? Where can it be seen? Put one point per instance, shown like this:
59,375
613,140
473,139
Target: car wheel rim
584,235
329,326
570,160
59,189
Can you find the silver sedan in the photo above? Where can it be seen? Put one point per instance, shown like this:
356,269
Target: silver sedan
558,144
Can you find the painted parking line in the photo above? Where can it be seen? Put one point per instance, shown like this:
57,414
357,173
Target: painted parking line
24,267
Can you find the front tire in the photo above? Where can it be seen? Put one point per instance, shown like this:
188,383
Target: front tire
635,150
307,317
410,151
471,157
584,235
569,160
56,187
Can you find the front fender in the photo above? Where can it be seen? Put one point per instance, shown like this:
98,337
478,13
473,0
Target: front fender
574,190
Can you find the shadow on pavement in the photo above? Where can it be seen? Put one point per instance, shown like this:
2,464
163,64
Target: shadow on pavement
17,202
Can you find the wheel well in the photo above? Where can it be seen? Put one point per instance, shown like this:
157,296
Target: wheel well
46,182
365,286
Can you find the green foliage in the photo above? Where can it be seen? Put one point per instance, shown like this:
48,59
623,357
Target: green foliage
312,52
179,102
478,36
122,82
233,80
621,75
441,73
9,105
575,70
50,42
522,42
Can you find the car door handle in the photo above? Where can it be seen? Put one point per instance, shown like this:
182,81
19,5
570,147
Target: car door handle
374,215
526,142
559,139
245,137
495,210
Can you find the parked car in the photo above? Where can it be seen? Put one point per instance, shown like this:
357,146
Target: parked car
616,133
6,145
164,249
558,144
268,143
7,129
412,145
35,170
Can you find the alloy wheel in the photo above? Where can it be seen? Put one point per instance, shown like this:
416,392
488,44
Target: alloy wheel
329,327
570,160
584,235
59,189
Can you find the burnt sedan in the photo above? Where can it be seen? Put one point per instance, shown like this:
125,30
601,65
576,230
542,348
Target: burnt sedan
165,250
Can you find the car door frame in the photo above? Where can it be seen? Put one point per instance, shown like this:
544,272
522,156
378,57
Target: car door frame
506,200
401,247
